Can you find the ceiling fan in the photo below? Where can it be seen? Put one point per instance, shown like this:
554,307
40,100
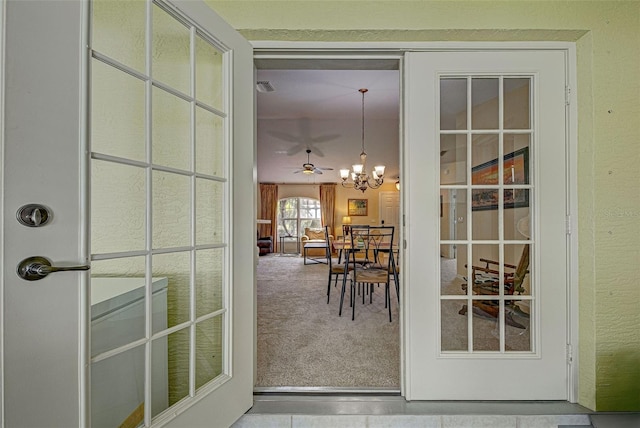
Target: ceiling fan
309,168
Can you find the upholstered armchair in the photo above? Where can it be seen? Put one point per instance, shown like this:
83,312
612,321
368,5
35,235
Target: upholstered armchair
314,243
265,244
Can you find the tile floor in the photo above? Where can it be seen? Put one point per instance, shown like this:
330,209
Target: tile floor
391,411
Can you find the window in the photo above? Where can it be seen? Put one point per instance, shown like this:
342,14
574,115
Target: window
294,214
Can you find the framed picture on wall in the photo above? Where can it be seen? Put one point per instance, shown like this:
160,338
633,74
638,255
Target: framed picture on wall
515,170
357,207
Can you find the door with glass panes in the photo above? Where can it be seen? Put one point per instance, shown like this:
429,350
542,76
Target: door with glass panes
487,137
125,124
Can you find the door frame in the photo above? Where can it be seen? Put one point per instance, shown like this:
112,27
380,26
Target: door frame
395,50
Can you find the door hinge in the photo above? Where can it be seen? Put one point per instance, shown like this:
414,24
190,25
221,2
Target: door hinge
569,354
568,225
404,244
567,95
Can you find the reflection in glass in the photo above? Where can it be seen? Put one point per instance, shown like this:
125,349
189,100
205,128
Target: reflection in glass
117,113
484,152
118,31
516,224
516,154
171,130
485,214
209,143
209,278
517,269
452,269
171,51
118,206
208,74
117,388
485,264
517,320
209,356
453,212
454,325
453,104
517,114
486,328
484,97
171,210
453,159
209,215
178,345
117,303
176,269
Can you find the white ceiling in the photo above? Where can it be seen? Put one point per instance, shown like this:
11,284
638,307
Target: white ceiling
321,110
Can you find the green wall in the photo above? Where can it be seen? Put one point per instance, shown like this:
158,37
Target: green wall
607,36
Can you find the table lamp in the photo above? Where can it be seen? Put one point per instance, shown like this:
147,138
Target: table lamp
346,221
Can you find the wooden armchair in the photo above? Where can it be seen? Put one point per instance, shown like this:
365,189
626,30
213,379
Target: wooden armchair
486,281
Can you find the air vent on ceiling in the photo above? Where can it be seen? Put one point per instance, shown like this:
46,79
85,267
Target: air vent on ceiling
264,86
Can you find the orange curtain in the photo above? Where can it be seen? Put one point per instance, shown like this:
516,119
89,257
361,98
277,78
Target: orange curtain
328,204
268,209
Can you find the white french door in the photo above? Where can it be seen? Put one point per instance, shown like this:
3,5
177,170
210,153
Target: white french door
486,135
131,123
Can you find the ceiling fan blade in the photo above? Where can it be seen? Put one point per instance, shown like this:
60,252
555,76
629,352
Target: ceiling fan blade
317,171
298,171
324,169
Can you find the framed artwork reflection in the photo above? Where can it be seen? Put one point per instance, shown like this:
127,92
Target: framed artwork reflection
515,170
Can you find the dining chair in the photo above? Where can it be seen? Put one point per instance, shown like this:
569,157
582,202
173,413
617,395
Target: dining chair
335,269
375,243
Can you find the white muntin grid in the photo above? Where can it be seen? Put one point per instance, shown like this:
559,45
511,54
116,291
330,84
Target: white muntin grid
468,244
195,33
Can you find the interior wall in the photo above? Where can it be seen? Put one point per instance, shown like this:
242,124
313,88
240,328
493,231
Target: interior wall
607,38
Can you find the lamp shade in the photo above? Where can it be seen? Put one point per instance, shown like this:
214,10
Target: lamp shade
346,220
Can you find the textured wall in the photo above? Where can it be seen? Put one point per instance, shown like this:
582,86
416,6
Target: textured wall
608,41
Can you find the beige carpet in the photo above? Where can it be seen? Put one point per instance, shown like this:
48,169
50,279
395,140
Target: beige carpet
302,342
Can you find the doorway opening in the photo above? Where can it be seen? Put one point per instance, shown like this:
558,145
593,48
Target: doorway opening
309,111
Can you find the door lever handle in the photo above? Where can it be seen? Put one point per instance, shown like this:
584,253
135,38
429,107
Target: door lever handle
36,267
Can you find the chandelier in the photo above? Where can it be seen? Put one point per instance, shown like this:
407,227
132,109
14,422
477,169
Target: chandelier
359,178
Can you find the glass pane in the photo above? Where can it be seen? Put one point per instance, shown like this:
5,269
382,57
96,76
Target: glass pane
452,269
453,212
516,159
209,280
288,208
517,322
486,328
484,97
288,228
117,303
517,102
117,389
485,269
173,270
453,104
484,152
171,130
209,74
209,212
118,207
310,223
171,51
485,214
118,31
209,352
178,345
455,328
453,159
159,375
117,113
171,210
209,143
516,198
517,269
516,224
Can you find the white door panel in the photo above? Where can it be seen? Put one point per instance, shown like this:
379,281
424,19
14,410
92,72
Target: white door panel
497,356
46,326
